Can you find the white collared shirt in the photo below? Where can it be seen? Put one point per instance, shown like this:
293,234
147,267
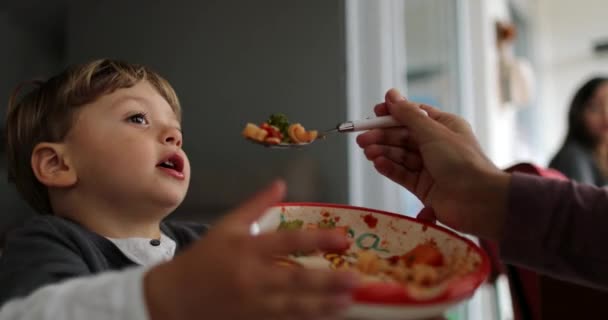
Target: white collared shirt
113,295
143,252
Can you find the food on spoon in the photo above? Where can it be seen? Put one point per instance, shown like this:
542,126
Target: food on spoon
278,130
279,121
253,132
298,134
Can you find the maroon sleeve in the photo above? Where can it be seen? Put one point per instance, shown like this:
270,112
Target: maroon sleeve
559,228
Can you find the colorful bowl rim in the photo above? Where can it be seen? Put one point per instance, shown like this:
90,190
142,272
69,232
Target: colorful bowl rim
451,293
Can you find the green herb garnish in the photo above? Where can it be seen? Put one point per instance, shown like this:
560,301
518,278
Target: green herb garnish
327,224
280,121
291,225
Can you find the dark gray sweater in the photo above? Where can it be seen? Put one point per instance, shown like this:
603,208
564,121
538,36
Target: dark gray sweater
576,162
49,249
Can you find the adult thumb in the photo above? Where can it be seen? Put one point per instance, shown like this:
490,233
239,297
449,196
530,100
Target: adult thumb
393,96
420,126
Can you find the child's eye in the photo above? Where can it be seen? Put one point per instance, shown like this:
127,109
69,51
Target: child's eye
139,118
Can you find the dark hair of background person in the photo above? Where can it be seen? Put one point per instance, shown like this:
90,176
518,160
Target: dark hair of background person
577,130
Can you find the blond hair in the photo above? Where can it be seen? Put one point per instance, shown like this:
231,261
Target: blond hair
46,114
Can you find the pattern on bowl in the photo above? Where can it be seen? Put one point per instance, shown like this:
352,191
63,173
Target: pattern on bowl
389,234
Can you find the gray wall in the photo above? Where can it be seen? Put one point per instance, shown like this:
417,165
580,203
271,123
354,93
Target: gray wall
32,43
232,62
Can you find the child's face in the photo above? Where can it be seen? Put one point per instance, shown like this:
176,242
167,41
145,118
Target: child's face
126,148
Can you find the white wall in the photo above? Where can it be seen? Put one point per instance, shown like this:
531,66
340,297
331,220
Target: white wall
375,62
493,122
567,30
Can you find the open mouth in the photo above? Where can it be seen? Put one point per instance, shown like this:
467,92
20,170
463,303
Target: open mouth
174,162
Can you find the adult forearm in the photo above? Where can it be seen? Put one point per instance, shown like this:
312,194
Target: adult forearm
558,228
488,205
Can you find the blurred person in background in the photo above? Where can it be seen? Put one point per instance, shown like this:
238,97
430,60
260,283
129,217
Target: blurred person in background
583,156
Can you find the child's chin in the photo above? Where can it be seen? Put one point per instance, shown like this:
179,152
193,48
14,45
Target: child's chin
170,200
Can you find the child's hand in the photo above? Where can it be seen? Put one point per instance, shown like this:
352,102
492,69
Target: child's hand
230,274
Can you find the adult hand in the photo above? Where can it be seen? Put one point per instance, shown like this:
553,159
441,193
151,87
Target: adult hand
436,156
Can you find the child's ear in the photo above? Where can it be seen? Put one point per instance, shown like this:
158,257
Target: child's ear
51,167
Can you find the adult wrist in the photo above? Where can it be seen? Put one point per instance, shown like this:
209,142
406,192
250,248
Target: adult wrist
491,208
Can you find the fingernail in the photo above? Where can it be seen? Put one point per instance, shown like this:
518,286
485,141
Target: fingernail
358,139
395,96
279,184
276,182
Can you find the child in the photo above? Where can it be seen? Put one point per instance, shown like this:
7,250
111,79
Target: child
97,150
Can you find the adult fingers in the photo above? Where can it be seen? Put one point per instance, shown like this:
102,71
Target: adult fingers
409,159
397,136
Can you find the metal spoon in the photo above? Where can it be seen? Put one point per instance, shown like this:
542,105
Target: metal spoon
348,126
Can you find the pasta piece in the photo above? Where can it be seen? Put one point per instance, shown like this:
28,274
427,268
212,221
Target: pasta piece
399,273
298,134
424,275
368,262
254,132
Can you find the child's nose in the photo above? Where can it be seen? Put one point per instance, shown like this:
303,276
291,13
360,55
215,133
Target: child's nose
172,136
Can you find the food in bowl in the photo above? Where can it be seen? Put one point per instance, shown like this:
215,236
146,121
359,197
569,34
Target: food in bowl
277,129
408,269
424,266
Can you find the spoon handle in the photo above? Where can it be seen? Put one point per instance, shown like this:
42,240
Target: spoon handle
367,124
